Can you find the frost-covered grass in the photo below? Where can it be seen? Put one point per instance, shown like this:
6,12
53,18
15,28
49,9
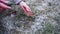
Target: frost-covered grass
45,21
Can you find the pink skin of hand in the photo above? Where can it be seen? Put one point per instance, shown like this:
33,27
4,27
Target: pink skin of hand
26,9
3,6
4,1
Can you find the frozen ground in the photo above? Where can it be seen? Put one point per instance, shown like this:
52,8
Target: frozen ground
45,21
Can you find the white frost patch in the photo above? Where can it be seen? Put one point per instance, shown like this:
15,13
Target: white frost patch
39,8
12,15
44,4
8,22
38,21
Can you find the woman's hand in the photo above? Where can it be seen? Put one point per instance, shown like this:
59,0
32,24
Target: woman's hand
3,6
26,8
4,1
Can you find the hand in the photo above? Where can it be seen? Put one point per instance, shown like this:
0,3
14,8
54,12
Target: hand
3,6
4,1
26,8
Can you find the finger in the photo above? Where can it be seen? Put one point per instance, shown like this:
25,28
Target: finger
4,6
4,1
28,8
27,11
